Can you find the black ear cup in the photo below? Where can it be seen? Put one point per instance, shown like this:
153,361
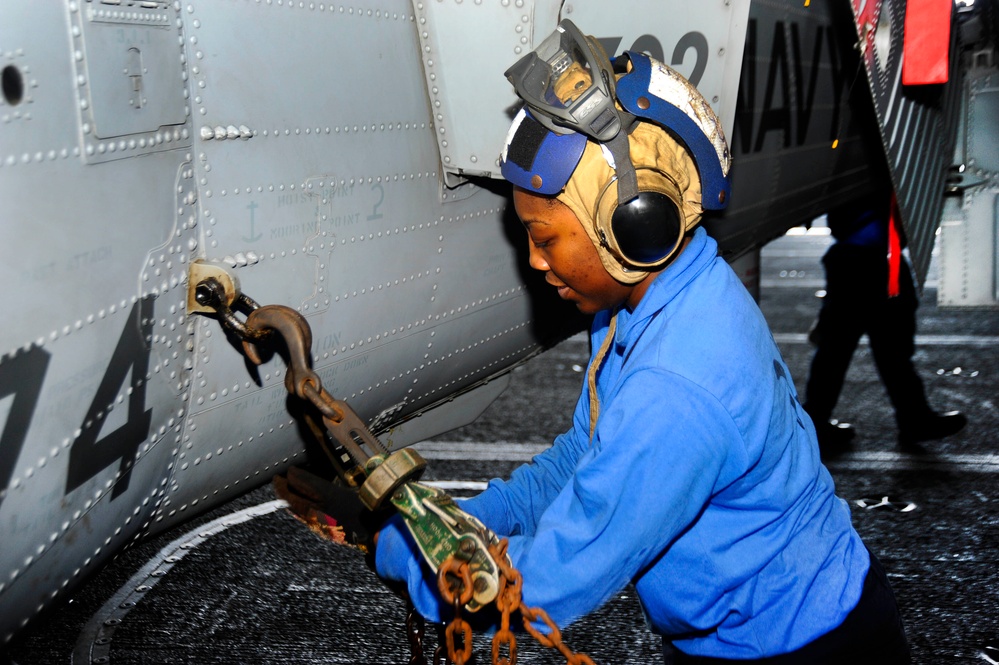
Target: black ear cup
647,229
643,234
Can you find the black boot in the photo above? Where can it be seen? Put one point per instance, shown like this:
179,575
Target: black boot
930,427
834,437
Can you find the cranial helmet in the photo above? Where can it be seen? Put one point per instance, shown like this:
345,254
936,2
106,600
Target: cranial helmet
636,156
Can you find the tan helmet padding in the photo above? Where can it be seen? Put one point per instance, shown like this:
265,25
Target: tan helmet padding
651,148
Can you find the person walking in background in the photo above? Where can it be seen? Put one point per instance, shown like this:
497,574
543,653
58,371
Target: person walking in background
869,289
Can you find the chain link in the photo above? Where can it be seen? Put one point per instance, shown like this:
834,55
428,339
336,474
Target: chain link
415,629
507,601
511,584
454,582
440,653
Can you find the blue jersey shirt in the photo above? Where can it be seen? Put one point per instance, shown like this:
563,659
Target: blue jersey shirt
702,483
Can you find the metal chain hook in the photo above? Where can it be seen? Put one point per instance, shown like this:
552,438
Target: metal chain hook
292,327
303,382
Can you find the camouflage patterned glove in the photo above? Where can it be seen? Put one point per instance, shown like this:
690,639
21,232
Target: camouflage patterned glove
330,509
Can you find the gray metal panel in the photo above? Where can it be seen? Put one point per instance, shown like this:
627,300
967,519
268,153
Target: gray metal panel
702,40
323,192
93,260
969,255
918,125
315,187
983,112
133,67
129,67
967,250
466,47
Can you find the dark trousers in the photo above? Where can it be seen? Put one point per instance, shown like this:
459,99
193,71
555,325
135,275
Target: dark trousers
856,302
871,634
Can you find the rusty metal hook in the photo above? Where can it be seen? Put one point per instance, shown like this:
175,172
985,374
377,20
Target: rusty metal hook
297,336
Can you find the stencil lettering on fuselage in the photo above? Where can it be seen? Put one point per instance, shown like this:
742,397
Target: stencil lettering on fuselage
789,93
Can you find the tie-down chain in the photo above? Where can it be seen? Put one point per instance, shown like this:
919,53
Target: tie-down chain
471,562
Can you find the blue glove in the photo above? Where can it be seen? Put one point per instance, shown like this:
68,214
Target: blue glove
398,559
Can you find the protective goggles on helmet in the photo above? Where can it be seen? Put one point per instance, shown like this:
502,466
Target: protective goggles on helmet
569,83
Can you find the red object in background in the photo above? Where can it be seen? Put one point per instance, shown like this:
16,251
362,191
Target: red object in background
894,249
926,46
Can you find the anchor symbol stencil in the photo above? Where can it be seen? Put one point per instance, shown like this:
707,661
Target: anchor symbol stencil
253,238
